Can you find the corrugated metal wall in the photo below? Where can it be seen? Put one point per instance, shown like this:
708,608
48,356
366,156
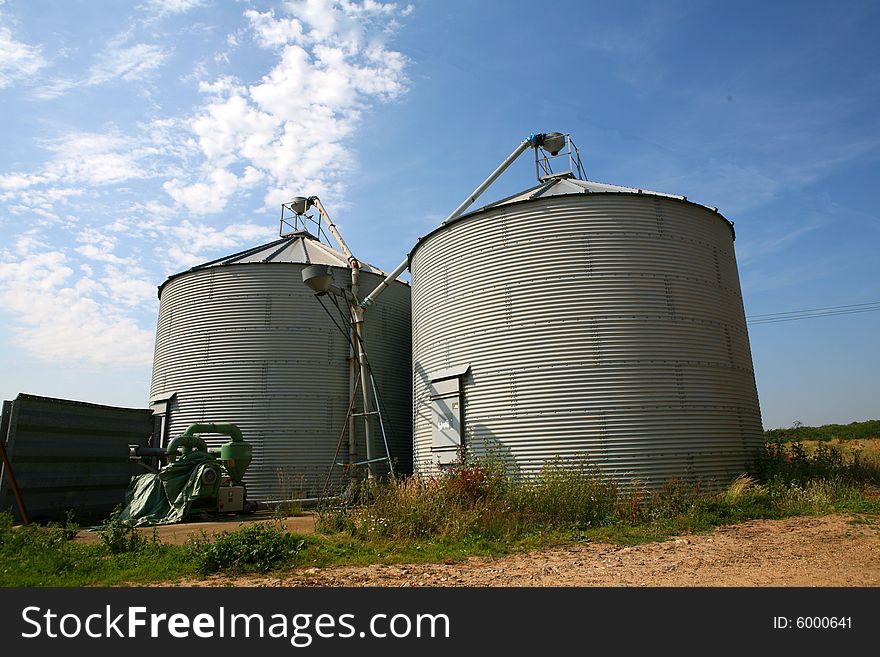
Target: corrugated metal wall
249,344
70,455
605,326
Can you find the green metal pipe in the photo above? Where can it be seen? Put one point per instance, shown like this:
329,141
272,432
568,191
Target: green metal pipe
236,454
209,427
189,441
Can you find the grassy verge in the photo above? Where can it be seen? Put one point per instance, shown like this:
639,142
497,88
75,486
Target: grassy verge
474,508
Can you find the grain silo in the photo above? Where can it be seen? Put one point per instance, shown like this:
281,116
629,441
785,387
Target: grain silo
241,339
585,320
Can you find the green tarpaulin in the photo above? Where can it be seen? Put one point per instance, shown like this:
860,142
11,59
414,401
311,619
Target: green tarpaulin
166,497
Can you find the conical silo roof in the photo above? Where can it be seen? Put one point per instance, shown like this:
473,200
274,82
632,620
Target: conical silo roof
299,247
566,185
563,185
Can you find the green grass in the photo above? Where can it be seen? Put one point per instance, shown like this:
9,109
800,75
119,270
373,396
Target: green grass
44,556
473,509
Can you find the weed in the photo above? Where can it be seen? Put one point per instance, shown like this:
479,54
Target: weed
258,546
792,463
738,486
568,495
119,536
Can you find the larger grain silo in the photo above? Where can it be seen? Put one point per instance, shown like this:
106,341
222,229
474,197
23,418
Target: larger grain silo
241,339
583,320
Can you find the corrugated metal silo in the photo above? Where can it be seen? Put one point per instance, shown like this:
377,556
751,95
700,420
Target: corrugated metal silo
242,340
585,320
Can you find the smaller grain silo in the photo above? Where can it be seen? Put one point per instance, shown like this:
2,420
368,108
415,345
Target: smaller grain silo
580,320
242,340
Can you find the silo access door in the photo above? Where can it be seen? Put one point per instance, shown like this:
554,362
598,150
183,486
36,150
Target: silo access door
445,393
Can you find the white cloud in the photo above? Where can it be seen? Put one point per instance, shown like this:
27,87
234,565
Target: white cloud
99,245
166,7
119,60
95,158
42,202
192,240
143,219
271,32
16,181
128,63
124,286
62,318
283,132
291,126
212,195
54,88
83,158
748,251
18,60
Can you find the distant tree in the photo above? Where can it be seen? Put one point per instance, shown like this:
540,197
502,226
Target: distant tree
799,431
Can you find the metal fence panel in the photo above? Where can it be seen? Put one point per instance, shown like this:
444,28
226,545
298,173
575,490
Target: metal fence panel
69,455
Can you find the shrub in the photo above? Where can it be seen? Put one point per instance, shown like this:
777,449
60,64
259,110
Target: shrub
34,536
255,547
119,536
569,494
792,463
476,498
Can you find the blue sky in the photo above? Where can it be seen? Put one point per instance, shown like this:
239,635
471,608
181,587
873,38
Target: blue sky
142,138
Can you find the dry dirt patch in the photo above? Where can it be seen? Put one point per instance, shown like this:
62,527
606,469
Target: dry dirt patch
806,551
178,534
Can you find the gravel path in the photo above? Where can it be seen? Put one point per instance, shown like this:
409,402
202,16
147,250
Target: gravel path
833,550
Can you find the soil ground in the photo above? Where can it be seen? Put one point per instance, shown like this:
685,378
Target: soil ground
179,533
835,550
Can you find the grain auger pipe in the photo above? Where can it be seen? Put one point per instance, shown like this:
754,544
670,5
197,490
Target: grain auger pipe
548,140
316,202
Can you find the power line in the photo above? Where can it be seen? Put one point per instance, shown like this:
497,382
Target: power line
810,310
830,311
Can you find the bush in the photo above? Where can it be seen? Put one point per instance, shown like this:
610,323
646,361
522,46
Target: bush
69,528
119,536
568,495
478,499
34,536
791,463
255,547
469,498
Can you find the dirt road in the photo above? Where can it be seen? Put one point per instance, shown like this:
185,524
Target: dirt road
807,551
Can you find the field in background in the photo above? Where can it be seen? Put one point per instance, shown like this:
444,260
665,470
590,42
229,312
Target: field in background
869,429
856,440
866,450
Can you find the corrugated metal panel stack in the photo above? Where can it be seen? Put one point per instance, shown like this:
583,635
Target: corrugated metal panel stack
70,455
